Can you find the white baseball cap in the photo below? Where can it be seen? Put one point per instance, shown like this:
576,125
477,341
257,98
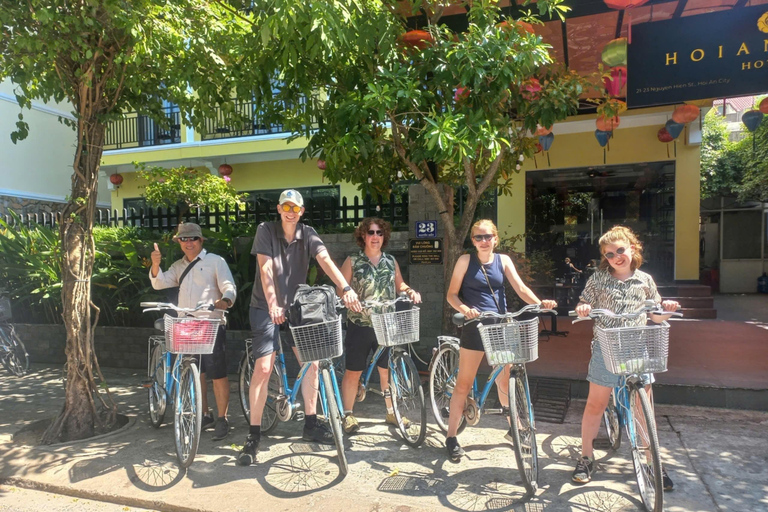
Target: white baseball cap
291,195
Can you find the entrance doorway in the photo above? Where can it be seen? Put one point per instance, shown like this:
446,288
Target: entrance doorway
567,211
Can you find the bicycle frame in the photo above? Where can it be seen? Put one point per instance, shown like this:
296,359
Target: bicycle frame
172,370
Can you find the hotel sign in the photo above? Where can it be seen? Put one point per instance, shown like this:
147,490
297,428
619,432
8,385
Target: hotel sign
697,57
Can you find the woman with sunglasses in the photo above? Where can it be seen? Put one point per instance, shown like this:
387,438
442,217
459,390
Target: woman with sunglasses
477,285
617,285
374,275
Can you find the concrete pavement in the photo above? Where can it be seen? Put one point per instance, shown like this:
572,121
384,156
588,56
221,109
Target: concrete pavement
717,457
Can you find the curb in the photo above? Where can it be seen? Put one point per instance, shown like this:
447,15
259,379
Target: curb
130,423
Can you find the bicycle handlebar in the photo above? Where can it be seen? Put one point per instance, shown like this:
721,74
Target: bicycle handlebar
649,307
459,319
403,297
165,306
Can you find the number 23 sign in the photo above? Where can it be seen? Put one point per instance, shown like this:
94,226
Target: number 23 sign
426,229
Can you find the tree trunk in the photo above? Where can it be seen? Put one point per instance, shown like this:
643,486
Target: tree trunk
80,415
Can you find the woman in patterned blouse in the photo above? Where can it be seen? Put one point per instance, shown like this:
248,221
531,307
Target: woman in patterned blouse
617,285
374,275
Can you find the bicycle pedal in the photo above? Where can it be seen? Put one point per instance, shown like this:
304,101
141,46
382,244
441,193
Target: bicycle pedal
298,415
146,384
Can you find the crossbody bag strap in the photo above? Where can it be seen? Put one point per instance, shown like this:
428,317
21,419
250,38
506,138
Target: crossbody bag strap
493,294
186,271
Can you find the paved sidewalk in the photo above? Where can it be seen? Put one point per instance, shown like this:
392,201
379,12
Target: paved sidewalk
716,456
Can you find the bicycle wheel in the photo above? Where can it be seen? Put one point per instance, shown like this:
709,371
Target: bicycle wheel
334,418
523,428
16,360
611,421
641,430
442,378
156,390
269,416
408,399
189,413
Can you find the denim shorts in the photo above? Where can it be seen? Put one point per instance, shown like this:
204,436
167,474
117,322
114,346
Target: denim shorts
599,374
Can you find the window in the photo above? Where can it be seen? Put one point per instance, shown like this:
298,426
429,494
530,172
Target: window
742,235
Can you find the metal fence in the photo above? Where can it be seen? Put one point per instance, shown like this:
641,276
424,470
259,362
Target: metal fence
135,130
320,215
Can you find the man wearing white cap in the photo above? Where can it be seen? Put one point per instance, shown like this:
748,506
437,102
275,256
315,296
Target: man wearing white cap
283,249
202,276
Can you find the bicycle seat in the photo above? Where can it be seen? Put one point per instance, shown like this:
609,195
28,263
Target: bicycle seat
160,324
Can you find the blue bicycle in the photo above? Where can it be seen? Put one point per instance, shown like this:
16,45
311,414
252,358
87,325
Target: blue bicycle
178,378
630,353
509,343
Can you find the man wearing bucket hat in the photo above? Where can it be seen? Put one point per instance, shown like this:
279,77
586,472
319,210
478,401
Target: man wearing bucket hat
201,276
283,249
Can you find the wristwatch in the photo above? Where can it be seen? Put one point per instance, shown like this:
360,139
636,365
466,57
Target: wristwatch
228,301
346,289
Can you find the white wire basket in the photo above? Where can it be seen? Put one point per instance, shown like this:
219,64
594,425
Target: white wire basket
191,335
511,342
318,341
5,309
397,327
629,350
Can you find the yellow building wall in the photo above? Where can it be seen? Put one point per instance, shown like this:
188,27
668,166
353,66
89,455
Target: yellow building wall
628,145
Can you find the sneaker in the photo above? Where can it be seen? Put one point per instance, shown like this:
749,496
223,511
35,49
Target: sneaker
583,472
392,420
350,424
667,482
247,455
455,452
221,430
208,421
319,434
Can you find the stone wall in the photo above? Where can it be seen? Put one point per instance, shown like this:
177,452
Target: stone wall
23,206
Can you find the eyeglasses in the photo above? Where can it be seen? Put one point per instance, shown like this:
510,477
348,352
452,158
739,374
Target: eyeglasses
376,232
189,238
619,252
286,208
483,238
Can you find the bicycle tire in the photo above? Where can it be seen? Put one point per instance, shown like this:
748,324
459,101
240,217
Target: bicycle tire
442,377
405,390
156,393
611,422
523,429
334,418
643,440
188,417
244,374
16,360
269,416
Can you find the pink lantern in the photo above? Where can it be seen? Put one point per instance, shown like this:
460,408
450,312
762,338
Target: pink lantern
321,165
530,89
616,81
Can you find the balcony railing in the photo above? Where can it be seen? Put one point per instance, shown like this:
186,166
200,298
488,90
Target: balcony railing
135,131
254,124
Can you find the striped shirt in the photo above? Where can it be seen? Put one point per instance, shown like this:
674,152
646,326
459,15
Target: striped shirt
603,291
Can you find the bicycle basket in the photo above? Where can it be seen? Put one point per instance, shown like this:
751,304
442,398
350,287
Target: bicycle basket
511,342
396,328
5,309
318,341
191,335
628,350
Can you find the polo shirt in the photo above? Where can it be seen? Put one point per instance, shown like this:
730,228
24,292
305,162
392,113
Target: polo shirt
290,261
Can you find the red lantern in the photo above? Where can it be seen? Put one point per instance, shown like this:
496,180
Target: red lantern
764,106
523,27
538,148
116,179
685,114
418,39
607,125
664,135
530,89
542,131
624,4
616,81
461,94
321,165
225,169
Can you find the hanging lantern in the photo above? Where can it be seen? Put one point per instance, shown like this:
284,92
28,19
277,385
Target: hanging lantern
417,39
546,141
685,114
674,129
538,148
461,94
664,135
116,179
752,119
530,89
321,165
603,137
616,81
764,106
541,130
621,5
523,27
225,169
607,125
615,53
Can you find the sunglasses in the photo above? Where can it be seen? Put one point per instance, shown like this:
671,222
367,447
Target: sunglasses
483,238
376,232
286,208
619,252
189,238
